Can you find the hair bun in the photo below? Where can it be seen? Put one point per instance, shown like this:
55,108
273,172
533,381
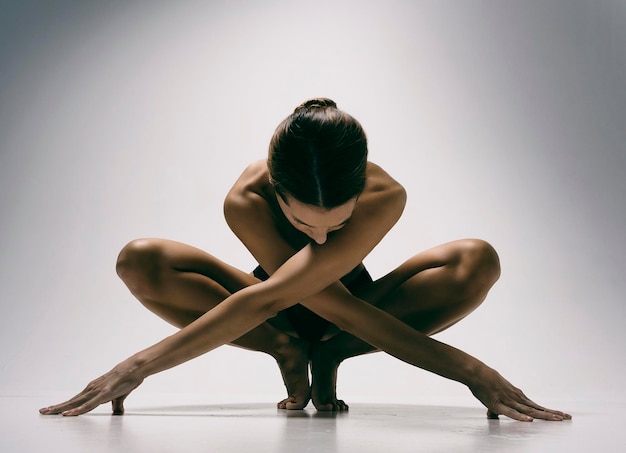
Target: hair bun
318,103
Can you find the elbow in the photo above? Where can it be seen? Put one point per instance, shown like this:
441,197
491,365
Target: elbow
347,326
263,301
264,309
270,309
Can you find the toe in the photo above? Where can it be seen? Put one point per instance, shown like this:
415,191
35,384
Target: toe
328,407
292,403
295,405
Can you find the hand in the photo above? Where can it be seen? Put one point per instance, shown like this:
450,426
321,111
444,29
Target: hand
113,386
502,398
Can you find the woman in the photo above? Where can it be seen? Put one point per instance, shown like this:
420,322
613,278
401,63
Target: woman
310,214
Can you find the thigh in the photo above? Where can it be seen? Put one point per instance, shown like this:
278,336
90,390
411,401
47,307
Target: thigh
168,275
186,258
438,287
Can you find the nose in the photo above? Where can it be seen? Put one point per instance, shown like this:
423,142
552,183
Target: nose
319,237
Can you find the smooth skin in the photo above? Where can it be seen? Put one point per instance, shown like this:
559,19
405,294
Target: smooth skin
306,250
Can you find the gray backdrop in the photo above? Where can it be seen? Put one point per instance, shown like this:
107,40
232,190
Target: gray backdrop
505,120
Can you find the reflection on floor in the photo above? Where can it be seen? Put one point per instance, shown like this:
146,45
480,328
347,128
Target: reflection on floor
262,428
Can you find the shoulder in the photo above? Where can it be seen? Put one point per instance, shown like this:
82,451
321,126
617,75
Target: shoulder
253,180
378,179
249,192
382,189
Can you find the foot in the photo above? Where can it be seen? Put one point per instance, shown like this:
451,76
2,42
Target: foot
324,368
293,360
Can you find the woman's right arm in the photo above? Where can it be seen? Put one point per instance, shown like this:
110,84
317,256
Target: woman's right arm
303,274
234,317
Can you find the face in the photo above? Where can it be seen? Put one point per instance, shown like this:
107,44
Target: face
316,222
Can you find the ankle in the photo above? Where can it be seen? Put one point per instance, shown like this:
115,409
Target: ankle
285,346
329,355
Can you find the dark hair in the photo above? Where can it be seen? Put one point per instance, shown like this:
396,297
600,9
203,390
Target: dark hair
318,155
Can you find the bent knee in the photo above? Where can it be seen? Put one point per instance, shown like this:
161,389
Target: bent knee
479,266
140,265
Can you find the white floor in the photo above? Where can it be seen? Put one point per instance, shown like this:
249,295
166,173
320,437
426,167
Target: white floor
260,427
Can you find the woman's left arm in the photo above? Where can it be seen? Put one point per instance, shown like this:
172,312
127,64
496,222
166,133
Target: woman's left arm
387,333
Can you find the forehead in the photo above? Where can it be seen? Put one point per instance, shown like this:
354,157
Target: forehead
314,216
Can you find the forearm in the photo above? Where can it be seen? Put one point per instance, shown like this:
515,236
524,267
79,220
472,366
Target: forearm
418,349
231,319
228,321
387,333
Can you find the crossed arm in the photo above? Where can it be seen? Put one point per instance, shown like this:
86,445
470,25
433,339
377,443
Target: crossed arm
309,275
307,272
249,307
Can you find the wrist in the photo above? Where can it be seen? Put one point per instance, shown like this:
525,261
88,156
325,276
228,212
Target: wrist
137,365
476,373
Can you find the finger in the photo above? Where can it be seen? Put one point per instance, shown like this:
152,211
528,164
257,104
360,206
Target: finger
521,412
566,416
503,409
75,401
69,404
86,406
543,414
537,411
118,405
551,413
